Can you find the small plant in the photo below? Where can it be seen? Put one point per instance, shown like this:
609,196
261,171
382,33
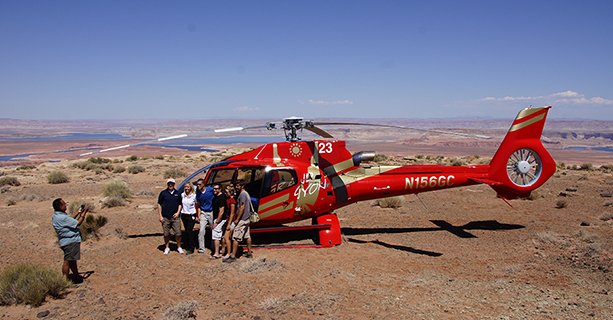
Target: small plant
174,173
561,204
75,205
607,216
391,202
9,181
159,157
135,169
10,202
57,177
586,166
119,169
182,311
115,201
380,157
458,162
132,158
30,284
606,168
26,167
90,228
99,160
117,188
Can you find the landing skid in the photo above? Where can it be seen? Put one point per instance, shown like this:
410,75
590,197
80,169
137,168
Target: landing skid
328,230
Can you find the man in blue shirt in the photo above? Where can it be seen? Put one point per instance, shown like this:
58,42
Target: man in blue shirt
204,199
69,237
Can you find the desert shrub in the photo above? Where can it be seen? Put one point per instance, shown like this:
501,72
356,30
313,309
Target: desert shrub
132,158
117,188
99,160
586,166
26,167
119,169
98,171
75,205
9,181
114,201
90,228
135,169
30,284
174,173
159,157
30,197
391,202
85,165
606,168
11,202
458,162
380,157
182,311
561,204
56,177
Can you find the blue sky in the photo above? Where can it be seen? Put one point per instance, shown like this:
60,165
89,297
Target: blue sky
271,59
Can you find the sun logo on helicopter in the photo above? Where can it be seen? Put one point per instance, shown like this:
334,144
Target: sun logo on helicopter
295,149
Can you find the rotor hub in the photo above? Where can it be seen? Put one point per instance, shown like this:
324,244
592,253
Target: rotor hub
523,166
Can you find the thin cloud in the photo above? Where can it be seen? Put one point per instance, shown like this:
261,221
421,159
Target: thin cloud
328,102
563,97
246,109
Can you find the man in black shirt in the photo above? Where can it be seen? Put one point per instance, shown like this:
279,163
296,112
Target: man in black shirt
169,208
220,215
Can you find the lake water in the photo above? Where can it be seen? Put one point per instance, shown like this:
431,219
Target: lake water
188,144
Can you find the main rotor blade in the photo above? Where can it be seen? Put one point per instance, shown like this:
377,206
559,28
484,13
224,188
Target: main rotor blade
239,129
319,131
403,128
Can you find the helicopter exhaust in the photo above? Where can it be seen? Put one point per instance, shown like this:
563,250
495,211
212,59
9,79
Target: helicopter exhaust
362,156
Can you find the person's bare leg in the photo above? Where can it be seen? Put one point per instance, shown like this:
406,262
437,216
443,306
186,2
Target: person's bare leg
166,240
178,239
249,245
216,244
234,249
65,269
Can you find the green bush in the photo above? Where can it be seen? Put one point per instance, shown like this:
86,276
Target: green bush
117,188
586,166
99,160
391,202
119,169
90,228
10,181
135,169
159,157
26,167
174,173
114,201
132,158
75,205
30,284
56,177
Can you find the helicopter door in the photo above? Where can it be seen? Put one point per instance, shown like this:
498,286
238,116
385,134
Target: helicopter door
277,192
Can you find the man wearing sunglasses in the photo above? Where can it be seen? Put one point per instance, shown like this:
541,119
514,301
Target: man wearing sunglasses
204,199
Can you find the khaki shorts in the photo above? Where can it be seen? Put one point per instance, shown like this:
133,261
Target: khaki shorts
72,251
171,227
241,231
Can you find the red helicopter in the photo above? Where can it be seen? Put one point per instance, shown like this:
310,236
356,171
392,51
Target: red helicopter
297,180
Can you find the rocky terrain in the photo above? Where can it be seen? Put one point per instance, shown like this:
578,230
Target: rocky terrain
452,254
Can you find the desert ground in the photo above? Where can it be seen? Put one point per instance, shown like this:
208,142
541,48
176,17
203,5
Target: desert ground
451,254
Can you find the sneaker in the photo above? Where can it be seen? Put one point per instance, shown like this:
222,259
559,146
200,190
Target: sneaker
180,250
248,255
228,259
201,251
167,251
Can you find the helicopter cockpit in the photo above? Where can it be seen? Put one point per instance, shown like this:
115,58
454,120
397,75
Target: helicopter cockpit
260,181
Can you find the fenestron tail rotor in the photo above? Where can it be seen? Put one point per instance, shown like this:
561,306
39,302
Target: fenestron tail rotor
524,167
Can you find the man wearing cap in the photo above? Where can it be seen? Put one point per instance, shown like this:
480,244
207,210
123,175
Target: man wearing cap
169,209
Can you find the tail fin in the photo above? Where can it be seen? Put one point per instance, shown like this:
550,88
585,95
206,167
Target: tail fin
521,163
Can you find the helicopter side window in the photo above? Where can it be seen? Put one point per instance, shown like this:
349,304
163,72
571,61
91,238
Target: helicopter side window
223,176
253,177
280,180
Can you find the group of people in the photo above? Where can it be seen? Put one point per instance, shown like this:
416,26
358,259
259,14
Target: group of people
224,211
